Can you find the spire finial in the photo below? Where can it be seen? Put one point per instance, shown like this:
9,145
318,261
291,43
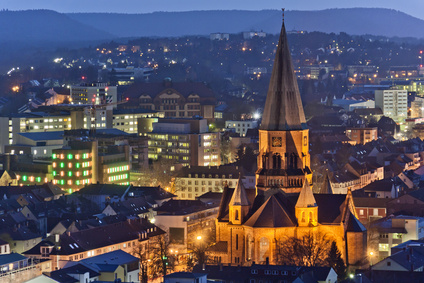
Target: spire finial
283,9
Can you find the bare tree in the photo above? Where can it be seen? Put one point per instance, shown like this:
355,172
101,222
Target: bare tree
310,250
142,252
159,174
161,259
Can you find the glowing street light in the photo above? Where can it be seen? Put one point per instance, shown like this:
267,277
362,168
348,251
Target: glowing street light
199,238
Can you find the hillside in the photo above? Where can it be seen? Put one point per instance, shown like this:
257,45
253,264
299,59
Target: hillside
45,25
355,21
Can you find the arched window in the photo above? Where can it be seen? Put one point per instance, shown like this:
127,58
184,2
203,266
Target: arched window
311,216
237,215
302,218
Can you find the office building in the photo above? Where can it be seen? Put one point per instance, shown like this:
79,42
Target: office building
94,93
184,141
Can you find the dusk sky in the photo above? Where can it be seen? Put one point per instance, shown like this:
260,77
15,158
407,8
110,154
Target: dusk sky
412,7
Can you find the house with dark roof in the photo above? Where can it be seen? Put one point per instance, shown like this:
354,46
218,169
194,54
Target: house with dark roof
186,277
75,246
370,209
411,203
114,265
266,273
411,259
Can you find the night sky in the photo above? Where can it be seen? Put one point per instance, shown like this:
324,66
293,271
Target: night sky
412,7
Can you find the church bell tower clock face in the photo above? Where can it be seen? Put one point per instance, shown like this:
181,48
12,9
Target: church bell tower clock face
277,141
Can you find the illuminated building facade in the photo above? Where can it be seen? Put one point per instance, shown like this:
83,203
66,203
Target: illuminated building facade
95,93
80,163
185,141
393,103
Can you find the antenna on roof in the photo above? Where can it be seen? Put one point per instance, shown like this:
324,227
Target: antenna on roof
283,9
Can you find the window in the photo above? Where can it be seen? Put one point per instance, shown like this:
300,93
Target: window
361,212
254,271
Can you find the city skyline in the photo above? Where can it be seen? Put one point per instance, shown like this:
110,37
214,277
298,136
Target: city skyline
133,6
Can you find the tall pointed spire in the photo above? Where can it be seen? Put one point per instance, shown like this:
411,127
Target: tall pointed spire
239,196
283,108
306,197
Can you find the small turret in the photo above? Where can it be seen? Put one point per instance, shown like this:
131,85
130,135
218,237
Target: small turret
239,204
306,209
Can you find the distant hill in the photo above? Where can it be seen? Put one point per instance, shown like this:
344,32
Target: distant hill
45,25
355,21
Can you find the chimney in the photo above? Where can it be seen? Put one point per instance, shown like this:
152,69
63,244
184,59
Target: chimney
68,233
220,267
56,238
267,261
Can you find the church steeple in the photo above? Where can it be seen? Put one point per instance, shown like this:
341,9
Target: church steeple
283,160
283,108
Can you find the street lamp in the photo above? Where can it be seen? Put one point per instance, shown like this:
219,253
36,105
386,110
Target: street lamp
371,254
199,238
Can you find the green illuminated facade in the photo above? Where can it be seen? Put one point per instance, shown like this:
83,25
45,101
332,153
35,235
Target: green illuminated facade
72,169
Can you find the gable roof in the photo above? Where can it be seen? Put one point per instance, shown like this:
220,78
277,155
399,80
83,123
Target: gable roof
272,214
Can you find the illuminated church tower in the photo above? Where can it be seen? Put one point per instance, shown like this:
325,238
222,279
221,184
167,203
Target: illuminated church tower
284,160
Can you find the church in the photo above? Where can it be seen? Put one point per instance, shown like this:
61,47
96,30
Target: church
251,223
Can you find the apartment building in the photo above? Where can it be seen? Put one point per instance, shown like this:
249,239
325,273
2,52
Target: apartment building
193,181
393,103
362,135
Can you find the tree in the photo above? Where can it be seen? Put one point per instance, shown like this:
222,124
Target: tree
310,250
161,258
142,252
336,261
159,174
246,157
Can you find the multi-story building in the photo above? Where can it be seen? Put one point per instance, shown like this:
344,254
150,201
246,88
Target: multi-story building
394,104
66,117
417,108
394,230
80,163
193,181
185,221
175,99
362,135
127,119
185,141
94,93
125,76
241,127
